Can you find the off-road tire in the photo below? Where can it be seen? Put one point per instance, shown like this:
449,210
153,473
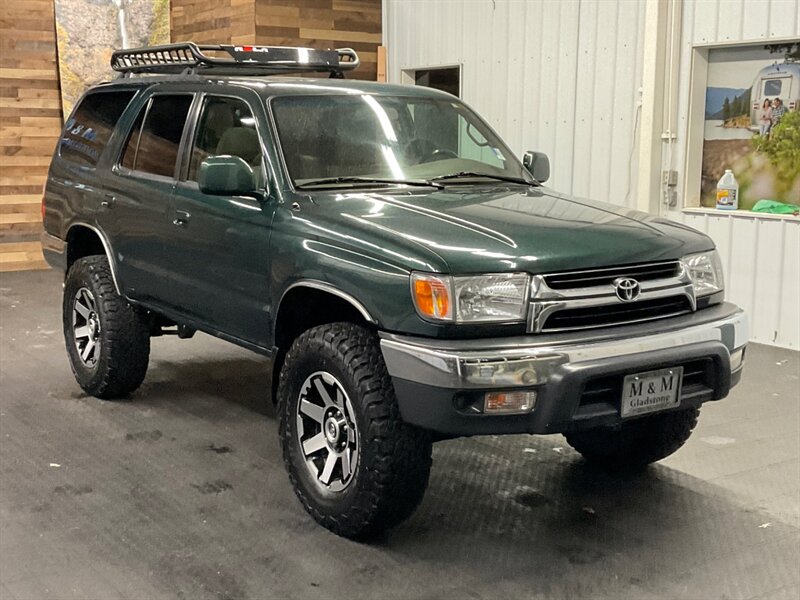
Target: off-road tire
394,458
638,443
124,349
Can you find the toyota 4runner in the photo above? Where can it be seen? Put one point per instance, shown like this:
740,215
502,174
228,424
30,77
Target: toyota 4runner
409,277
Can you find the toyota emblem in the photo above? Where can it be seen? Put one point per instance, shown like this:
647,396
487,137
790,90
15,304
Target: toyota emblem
627,289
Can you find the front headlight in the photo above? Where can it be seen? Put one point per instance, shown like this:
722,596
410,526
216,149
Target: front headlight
472,298
705,270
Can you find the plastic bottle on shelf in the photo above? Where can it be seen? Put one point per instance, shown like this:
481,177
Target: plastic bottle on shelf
727,192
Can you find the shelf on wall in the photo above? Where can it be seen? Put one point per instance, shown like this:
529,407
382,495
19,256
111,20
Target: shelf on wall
747,214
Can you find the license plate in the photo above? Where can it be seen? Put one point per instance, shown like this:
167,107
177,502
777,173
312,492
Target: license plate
651,391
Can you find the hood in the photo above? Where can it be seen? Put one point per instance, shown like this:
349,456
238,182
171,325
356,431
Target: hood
473,229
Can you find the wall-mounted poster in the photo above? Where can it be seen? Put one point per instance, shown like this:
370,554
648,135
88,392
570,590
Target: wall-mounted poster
752,123
90,30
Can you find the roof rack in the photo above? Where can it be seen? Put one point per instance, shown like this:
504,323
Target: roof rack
188,57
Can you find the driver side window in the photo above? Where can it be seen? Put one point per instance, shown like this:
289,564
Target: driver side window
226,127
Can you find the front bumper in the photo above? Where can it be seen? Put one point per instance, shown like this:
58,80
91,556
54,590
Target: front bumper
440,382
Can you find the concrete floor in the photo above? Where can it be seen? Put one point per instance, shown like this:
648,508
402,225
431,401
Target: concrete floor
180,492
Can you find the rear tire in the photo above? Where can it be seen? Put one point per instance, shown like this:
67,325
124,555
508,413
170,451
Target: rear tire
336,403
638,443
108,339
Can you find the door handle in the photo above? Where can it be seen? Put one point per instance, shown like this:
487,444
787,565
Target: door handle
181,218
108,201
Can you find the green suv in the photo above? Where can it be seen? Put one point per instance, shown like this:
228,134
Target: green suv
409,277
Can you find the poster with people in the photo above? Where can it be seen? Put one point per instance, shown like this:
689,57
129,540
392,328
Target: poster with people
88,31
752,123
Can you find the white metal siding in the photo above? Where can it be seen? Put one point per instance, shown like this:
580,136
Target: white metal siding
564,78
761,260
561,77
761,256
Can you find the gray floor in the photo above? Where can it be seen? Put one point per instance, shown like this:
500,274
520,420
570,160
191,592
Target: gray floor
180,493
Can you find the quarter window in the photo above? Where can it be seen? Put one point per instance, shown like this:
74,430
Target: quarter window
132,145
226,127
88,130
153,144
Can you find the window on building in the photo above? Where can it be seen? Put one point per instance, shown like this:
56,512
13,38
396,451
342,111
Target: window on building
742,115
88,130
446,79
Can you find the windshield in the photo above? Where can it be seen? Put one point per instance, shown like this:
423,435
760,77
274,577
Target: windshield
387,137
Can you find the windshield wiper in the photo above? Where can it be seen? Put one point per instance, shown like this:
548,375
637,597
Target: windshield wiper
473,174
327,181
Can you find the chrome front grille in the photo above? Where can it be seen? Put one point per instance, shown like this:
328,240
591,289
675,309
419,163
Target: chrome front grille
588,299
579,279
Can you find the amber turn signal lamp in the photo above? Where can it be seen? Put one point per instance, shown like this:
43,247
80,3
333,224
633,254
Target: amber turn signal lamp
432,296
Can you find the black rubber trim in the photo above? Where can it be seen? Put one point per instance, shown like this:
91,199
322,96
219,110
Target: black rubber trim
54,250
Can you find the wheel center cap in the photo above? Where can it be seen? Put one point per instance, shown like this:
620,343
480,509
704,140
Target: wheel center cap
335,430
332,430
94,326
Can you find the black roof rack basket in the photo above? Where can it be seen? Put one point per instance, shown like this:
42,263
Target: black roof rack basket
188,57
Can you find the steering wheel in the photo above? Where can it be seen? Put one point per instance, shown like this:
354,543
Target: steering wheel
422,151
440,154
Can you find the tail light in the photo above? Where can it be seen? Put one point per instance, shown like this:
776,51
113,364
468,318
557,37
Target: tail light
44,187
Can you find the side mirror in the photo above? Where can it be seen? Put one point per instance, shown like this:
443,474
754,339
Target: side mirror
226,176
537,164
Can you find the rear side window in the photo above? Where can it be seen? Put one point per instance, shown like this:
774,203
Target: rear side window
152,146
88,130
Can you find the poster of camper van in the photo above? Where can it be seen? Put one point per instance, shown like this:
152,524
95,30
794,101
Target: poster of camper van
752,123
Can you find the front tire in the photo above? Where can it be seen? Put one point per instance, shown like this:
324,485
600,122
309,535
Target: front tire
638,443
356,467
108,339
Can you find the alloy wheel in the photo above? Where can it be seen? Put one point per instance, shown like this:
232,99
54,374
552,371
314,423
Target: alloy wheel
326,431
86,327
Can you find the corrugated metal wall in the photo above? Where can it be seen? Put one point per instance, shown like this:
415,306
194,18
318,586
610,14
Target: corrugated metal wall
561,77
761,255
761,258
564,78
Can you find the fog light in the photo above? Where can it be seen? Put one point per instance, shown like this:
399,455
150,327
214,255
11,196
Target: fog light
737,359
509,402
524,371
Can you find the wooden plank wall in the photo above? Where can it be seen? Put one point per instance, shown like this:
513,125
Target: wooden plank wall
323,24
30,122
317,23
213,21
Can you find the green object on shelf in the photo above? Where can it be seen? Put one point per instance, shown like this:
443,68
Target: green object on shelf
775,207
